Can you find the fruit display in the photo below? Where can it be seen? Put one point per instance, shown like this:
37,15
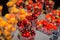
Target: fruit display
46,27
24,16
49,5
6,29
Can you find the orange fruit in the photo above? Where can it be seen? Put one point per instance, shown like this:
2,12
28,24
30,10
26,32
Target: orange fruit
13,29
14,1
8,21
22,17
3,23
0,32
13,20
14,9
8,37
6,32
22,11
9,26
10,4
1,19
12,15
7,16
1,7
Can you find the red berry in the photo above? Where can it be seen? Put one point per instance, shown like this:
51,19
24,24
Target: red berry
23,35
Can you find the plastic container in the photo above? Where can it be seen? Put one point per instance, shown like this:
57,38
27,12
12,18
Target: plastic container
49,6
29,38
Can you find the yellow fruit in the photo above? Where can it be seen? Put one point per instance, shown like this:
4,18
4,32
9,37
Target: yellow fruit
13,29
0,25
7,16
14,9
6,33
1,19
10,3
8,37
12,15
14,1
22,17
22,11
13,20
8,27
26,14
3,23
8,21
1,7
